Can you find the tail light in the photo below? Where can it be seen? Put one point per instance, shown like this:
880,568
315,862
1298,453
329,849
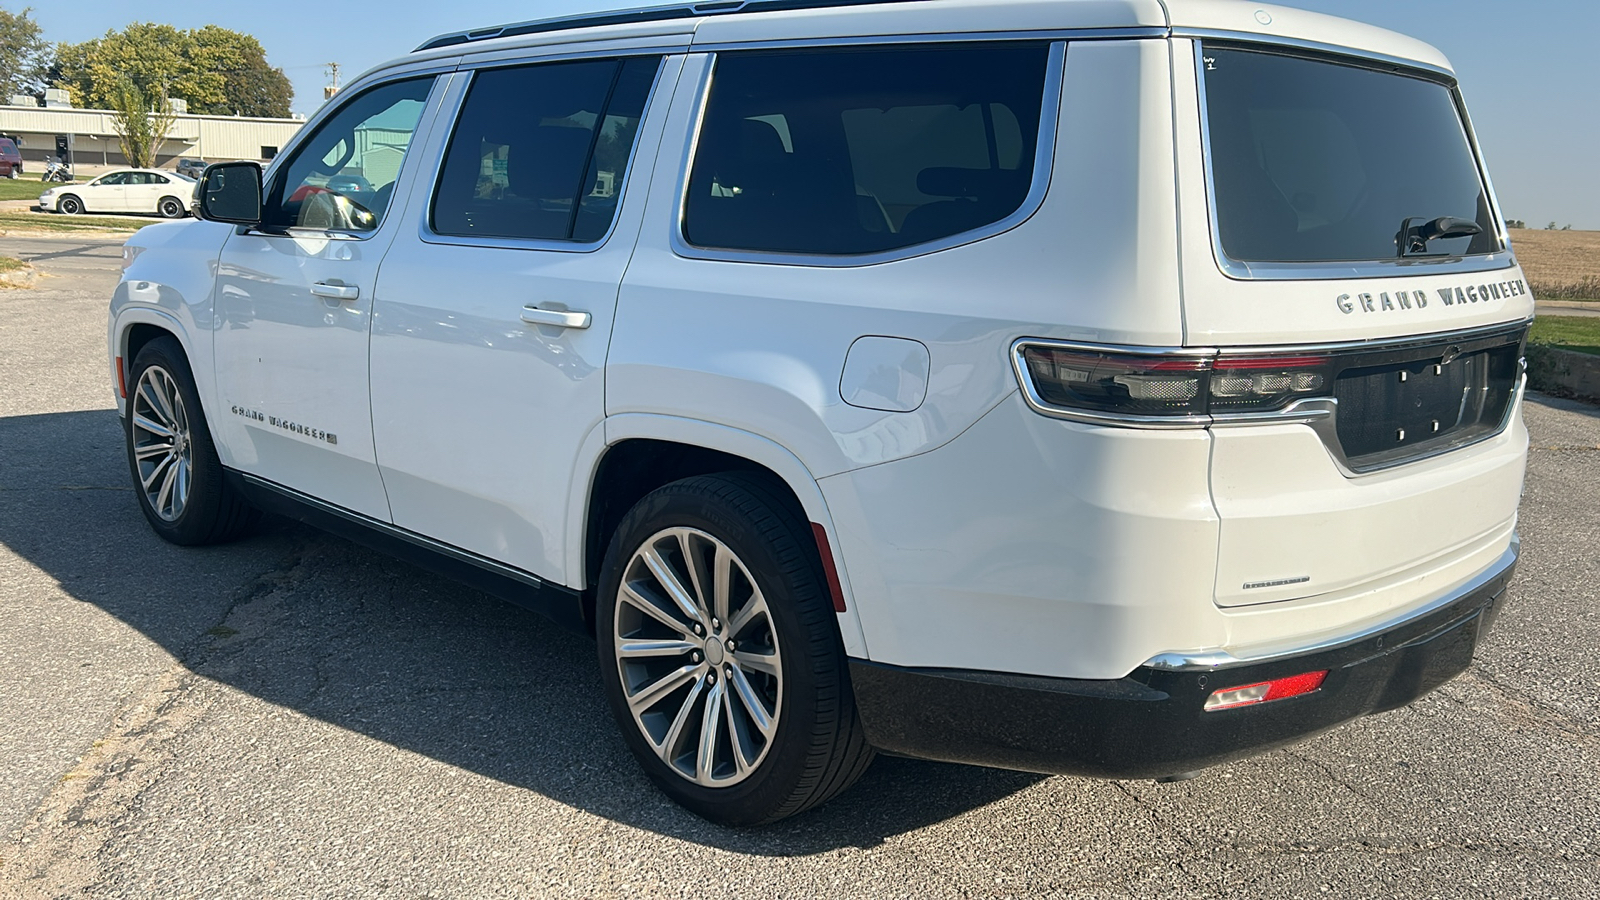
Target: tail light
1266,691
1181,388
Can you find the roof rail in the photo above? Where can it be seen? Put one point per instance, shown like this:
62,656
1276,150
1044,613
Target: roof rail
627,16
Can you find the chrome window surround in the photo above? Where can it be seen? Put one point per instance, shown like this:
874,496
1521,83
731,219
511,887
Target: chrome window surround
425,230
1206,660
1319,413
1240,270
1043,159
430,110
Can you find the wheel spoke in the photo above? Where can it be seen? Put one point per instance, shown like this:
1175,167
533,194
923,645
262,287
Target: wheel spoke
155,428
180,495
156,397
707,758
668,580
642,700
166,489
751,701
698,579
722,578
150,479
149,450
747,613
674,736
634,649
766,663
652,609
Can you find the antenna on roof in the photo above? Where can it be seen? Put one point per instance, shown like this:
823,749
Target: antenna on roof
333,86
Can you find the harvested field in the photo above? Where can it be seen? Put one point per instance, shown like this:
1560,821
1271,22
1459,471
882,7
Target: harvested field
1560,265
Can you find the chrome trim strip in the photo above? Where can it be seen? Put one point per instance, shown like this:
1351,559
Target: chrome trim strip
411,537
1320,413
1048,34
1043,163
1326,271
1249,37
427,235
1206,660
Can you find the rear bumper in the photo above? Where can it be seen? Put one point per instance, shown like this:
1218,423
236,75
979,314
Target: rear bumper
1153,723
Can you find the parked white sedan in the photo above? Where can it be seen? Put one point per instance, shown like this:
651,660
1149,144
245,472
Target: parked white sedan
124,191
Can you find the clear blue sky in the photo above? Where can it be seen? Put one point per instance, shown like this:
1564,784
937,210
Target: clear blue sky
1530,69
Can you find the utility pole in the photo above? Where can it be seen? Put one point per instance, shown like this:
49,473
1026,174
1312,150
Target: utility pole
333,75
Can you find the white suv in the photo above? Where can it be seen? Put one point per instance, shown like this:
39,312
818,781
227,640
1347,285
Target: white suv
1105,387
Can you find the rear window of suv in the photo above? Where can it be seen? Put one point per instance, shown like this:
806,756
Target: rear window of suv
1314,160
862,150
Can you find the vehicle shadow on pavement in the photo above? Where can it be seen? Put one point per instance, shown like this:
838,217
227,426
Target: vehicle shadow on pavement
367,643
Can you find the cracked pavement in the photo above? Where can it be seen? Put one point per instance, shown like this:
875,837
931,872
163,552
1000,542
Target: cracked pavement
296,716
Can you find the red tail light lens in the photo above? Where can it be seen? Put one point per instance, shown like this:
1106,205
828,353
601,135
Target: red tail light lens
1114,383
1117,382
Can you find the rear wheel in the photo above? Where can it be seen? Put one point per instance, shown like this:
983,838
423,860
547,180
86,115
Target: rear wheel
170,208
70,205
720,655
176,474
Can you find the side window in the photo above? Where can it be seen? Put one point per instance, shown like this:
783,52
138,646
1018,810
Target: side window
539,151
342,177
158,179
848,151
113,178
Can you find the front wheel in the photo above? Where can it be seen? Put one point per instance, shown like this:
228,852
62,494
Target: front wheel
176,473
69,205
170,208
720,655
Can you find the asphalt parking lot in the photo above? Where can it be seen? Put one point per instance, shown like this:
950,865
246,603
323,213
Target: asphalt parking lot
296,716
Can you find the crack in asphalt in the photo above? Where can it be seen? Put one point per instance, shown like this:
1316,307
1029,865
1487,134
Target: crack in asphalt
62,849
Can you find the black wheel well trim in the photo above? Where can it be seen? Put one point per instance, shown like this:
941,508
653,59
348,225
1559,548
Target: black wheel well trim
133,338
632,468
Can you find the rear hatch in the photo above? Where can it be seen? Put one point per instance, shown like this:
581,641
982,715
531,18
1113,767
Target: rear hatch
1351,260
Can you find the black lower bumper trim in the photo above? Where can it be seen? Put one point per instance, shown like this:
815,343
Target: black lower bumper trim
1153,722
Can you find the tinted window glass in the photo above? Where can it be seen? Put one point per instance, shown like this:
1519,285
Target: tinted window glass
857,151
1316,161
539,151
342,178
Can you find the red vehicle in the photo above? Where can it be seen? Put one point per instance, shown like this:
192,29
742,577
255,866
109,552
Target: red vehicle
10,158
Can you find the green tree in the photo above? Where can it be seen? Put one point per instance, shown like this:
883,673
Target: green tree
217,71
142,123
25,56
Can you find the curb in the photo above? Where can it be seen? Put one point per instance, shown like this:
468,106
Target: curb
1565,372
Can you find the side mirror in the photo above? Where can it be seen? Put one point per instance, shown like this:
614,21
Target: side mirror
230,192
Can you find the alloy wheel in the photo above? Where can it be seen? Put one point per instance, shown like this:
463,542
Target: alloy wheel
162,443
698,657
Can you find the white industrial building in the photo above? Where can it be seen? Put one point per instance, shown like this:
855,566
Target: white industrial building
94,137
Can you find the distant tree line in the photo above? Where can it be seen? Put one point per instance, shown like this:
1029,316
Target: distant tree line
215,70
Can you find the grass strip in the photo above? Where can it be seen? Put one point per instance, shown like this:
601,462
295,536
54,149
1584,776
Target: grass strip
30,221
1580,333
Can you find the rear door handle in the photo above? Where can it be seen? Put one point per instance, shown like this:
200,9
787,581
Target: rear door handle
559,318
336,291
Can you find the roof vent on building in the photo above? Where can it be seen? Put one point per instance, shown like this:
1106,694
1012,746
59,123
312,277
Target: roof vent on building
58,97
23,100
179,106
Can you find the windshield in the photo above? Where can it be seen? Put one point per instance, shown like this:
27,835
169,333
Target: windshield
1318,161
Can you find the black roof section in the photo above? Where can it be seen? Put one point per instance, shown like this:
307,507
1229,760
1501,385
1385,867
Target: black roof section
628,16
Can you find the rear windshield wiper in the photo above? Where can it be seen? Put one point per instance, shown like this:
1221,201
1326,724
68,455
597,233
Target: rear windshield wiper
1412,240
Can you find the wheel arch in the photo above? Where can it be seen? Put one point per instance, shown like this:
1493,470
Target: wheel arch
135,328
643,452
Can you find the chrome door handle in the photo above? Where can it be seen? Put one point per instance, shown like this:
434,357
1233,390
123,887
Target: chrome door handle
560,318
336,291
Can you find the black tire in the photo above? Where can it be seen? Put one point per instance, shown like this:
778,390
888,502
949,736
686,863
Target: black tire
69,205
171,208
213,512
817,748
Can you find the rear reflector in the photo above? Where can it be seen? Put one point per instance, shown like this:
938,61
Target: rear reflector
1264,691
122,380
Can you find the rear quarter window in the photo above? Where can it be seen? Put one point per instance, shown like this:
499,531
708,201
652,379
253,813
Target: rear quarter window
854,151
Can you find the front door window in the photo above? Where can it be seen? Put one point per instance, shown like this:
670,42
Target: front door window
342,178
